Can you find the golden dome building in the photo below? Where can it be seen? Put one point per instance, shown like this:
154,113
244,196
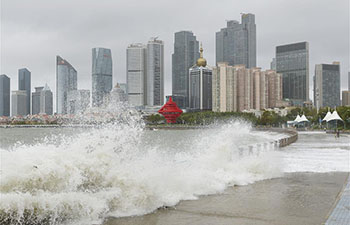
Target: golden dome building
200,85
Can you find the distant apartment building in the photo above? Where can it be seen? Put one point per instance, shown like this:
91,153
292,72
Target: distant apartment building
346,98
19,103
36,100
24,84
5,88
236,88
200,85
66,81
186,53
102,71
78,101
136,64
327,85
155,73
292,61
236,43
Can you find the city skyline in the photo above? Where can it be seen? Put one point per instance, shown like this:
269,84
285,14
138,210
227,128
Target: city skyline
270,33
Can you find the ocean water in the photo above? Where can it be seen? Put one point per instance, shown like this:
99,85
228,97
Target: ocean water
81,176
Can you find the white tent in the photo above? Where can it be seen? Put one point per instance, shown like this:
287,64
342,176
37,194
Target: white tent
334,116
297,120
303,119
327,116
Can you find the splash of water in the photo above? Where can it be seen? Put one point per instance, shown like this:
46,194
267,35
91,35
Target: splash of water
121,169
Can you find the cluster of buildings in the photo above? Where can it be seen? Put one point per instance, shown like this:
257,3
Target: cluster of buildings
235,83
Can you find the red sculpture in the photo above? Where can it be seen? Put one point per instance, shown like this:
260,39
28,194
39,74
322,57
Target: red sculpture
170,111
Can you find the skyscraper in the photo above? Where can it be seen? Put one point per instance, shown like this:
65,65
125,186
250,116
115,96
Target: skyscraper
327,85
155,73
24,84
136,74
46,101
186,53
102,71
36,100
292,61
4,95
200,85
236,43
66,81
19,103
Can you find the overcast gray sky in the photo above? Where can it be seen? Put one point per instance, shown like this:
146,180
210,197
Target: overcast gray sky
33,32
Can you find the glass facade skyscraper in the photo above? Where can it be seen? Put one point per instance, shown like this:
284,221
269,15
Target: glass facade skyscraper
24,84
186,52
19,103
136,74
66,81
102,71
5,87
327,85
292,61
155,73
236,43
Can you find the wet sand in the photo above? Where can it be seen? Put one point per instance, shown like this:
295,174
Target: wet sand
295,199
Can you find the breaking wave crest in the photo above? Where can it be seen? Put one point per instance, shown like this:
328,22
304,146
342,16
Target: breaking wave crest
121,169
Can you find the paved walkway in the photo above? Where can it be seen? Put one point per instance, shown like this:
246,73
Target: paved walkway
341,213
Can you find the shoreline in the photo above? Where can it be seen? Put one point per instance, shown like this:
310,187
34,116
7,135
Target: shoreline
294,199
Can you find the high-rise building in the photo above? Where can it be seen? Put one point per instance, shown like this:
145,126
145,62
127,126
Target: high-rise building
102,71
24,84
155,73
66,81
349,81
236,88
5,86
78,101
200,85
292,61
236,43
136,61
186,53
345,98
36,100
46,101
327,85
19,103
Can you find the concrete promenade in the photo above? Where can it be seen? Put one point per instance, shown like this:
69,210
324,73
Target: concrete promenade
341,213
